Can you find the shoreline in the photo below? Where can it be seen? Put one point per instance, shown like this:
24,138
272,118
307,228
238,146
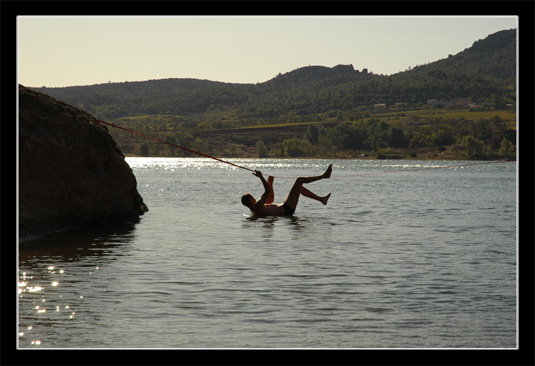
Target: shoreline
441,158
453,152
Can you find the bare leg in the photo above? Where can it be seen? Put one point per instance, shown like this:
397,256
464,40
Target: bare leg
295,192
305,192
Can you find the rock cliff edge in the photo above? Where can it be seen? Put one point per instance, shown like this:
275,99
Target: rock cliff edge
71,173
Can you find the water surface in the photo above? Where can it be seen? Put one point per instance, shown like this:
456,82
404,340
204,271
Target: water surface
399,258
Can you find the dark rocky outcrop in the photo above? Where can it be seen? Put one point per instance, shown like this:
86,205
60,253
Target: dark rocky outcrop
71,173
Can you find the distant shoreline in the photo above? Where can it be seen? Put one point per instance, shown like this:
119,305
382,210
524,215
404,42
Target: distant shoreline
428,154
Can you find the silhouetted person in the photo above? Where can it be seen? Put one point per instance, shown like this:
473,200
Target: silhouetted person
265,206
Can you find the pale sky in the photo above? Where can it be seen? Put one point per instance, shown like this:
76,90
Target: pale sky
66,51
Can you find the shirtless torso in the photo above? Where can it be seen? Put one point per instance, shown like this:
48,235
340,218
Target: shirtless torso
269,210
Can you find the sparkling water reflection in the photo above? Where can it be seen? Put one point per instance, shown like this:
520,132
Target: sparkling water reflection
421,259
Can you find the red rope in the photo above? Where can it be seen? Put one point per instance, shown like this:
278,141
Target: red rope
251,170
180,147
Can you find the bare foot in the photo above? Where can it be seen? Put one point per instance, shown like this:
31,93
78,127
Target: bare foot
325,199
328,172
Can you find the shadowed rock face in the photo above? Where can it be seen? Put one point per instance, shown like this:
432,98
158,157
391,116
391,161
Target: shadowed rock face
71,173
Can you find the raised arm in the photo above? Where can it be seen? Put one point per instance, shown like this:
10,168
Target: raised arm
271,196
267,187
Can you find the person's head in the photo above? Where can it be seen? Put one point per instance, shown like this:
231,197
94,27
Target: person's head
248,201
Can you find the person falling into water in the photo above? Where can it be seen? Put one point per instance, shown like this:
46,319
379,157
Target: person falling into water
265,206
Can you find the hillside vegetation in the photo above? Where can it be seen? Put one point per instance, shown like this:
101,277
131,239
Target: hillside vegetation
458,107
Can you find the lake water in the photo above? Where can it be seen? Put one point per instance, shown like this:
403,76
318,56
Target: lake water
398,259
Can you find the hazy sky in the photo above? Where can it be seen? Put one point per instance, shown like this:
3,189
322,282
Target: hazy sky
66,51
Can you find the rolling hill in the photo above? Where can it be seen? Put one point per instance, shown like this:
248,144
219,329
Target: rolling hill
486,68
483,75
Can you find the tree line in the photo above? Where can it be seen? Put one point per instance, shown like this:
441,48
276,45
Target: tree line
484,73
480,139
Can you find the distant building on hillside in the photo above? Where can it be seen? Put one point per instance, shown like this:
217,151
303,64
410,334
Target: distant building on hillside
457,103
398,106
473,106
435,103
451,104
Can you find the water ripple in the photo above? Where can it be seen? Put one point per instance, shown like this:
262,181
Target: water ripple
423,259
